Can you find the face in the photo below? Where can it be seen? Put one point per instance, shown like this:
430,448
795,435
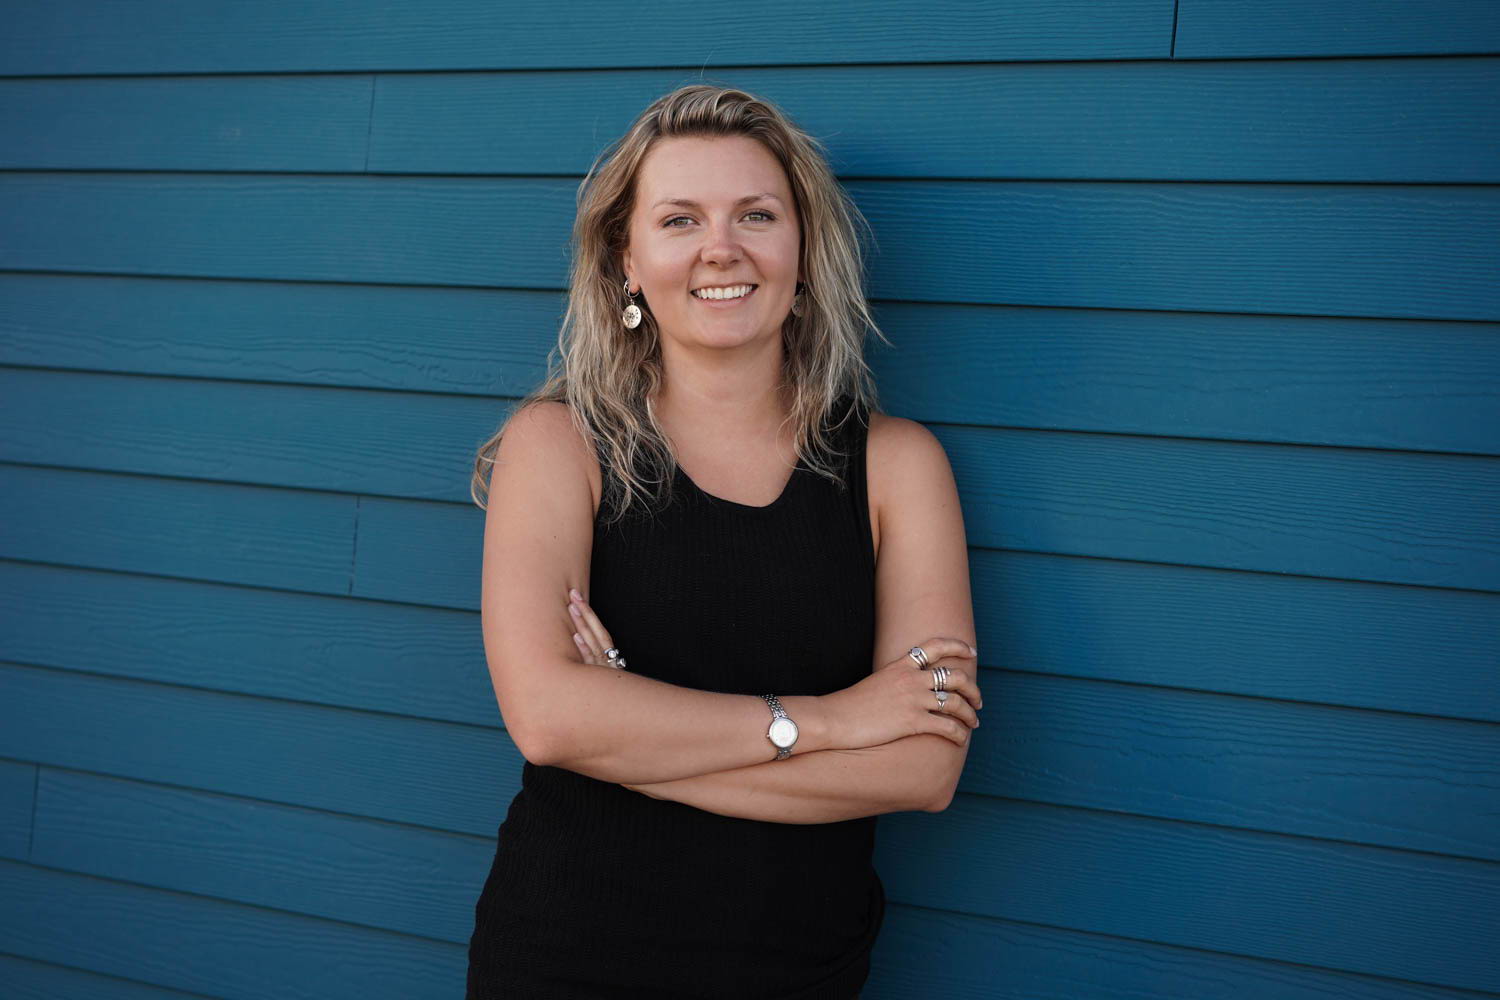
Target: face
715,241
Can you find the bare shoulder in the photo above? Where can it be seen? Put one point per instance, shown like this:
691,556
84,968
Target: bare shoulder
546,428
900,451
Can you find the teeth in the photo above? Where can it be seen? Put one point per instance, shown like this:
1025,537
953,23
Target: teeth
732,292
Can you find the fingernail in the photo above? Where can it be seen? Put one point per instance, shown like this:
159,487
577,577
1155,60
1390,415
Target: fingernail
573,593
573,610
973,651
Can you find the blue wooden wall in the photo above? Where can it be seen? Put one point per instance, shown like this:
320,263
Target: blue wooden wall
1202,298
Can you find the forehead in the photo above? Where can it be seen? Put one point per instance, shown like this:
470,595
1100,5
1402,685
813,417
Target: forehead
709,170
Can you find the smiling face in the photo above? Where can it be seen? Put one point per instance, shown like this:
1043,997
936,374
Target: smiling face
690,229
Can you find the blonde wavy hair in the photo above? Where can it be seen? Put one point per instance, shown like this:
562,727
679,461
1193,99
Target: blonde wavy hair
608,374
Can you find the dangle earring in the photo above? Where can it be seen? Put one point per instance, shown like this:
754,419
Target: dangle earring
631,316
797,307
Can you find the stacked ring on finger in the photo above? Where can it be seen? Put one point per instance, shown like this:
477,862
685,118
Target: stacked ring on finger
940,678
615,659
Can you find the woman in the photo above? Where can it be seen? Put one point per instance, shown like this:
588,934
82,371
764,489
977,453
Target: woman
697,819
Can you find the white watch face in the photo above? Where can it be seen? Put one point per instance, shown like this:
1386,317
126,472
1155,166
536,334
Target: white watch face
783,733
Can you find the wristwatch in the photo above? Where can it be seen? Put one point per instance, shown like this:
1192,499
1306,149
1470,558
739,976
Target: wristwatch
783,731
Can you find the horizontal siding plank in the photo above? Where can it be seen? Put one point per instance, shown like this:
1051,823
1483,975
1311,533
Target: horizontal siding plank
1262,635
187,123
1393,120
1367,910
18,780
1240,29
199,530
63,37
935,953
1375,778
282,435
1393,517
383,875
1359,250
1379,383
28,980
214,948
452,777
1358,120
427,663
471,341
1405,384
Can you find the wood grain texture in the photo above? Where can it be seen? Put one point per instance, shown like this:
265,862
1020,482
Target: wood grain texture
206,947
79,37
1340,121
1239,29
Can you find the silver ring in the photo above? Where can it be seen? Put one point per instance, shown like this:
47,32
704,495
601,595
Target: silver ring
942,697
940,677
917,654
615,659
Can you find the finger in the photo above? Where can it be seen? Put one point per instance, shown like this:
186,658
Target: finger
948,727
956,707
961,707
590,624
582,639
589,656
961,680
940,646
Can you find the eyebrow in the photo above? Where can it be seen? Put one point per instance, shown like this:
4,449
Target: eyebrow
686,203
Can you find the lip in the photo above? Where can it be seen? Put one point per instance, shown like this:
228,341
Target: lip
725,303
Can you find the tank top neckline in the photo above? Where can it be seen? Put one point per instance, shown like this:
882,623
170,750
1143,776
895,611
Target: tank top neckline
786,491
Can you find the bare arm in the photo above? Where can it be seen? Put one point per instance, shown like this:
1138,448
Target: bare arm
827,786
922,574
619,726
609,724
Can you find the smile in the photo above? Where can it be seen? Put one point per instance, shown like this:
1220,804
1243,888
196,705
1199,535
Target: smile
724,297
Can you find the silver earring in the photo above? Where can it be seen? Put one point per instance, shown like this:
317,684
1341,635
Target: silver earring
632,314
797,300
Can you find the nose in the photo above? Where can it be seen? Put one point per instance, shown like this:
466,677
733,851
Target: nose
720,246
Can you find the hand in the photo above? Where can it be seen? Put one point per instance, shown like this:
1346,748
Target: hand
897,700
592,638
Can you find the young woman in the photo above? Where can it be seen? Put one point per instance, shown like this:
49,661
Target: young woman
706,561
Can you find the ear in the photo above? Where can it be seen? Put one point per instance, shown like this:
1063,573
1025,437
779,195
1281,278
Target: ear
626,263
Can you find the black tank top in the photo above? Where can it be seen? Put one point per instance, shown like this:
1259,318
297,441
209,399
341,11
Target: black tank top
600,891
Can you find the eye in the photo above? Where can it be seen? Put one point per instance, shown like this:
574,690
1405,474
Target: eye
668,224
